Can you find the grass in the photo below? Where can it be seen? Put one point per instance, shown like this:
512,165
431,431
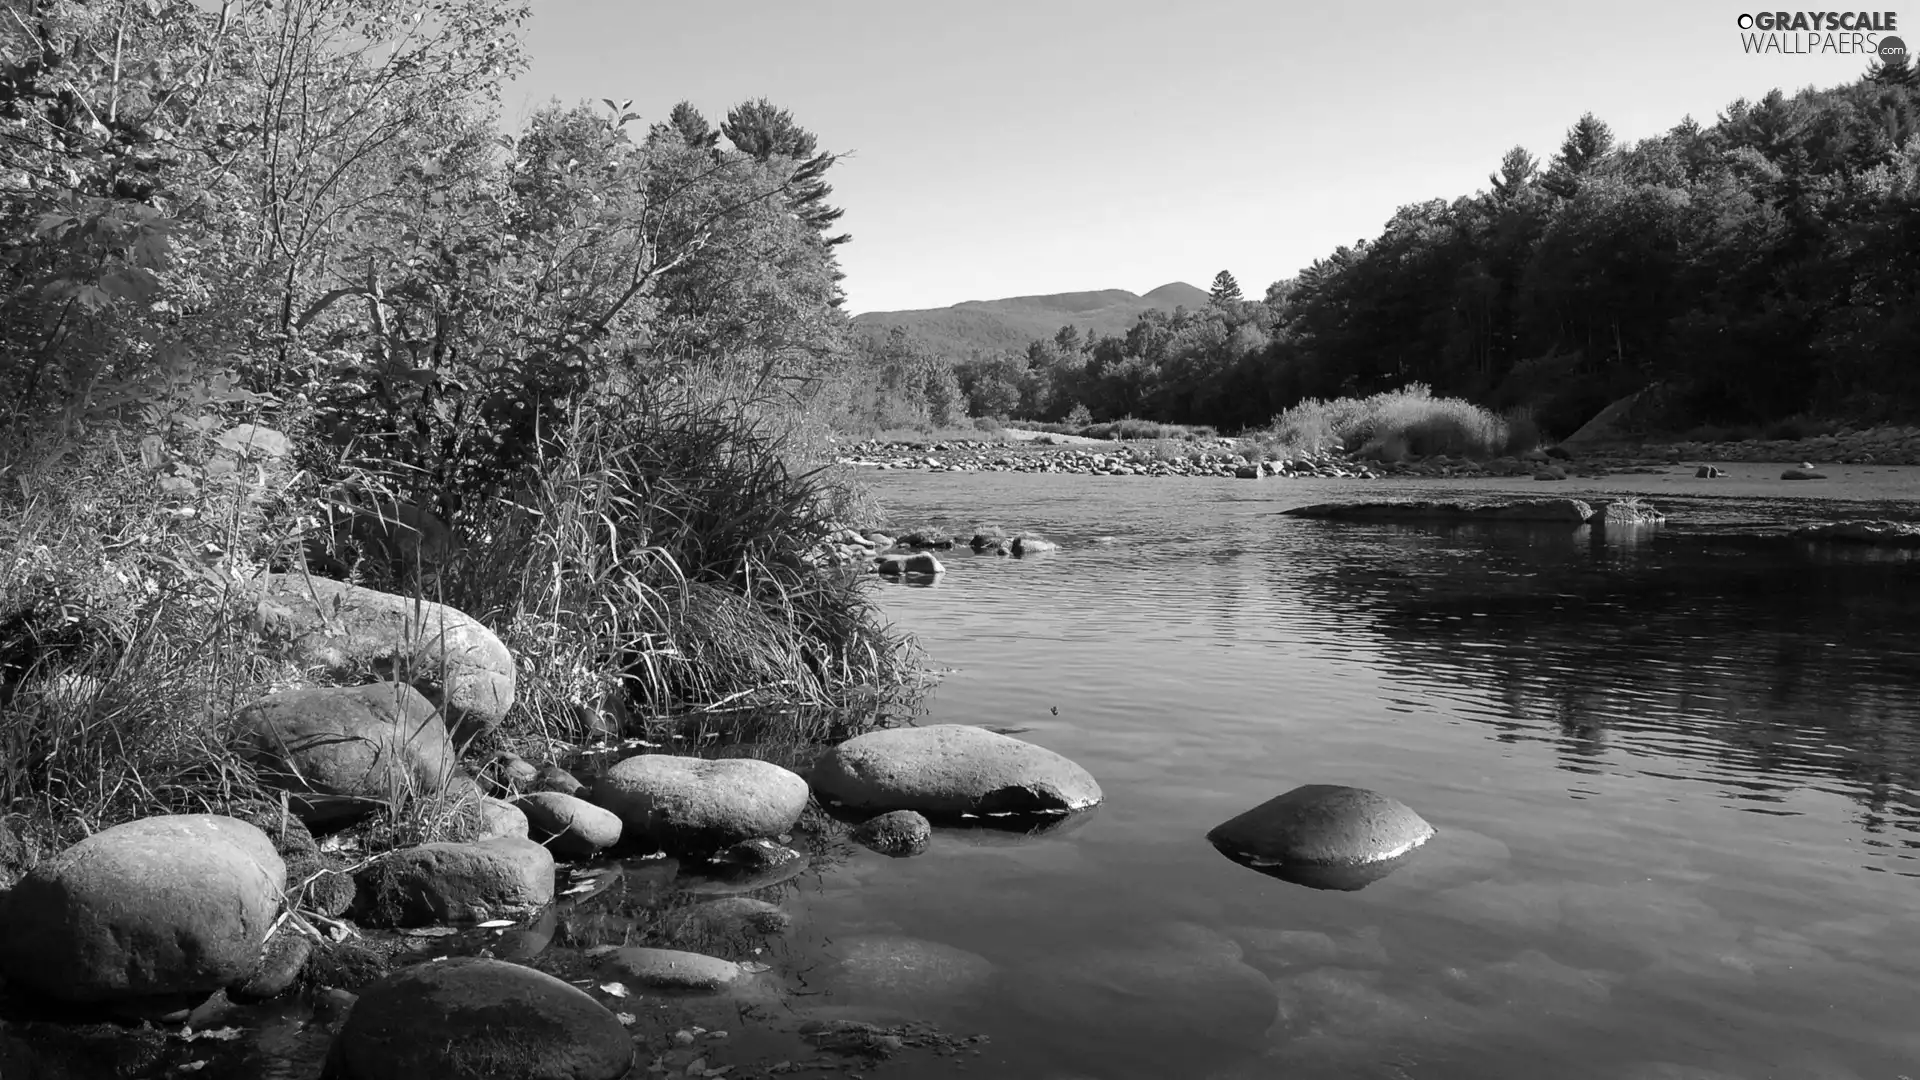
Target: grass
1395,425
992,431
657,562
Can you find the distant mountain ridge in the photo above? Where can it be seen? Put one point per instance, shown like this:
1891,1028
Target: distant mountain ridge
993,326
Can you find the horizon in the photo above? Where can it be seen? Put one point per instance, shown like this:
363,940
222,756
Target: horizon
1021,152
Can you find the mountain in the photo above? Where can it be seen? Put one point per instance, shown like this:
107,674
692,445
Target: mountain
993,326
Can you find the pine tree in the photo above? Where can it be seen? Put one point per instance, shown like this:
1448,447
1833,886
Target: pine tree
1898,71
1587,143
692,126
1225,290
1517,170
764,131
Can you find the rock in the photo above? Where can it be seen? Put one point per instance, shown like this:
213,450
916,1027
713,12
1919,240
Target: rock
920,538
899,833
1317,828
285,958
1248,472
671,971
886,969
177,904
507,773
951,769
1568,511
1627,515
570,825
880,541
918,564
1560,452
728,917
343,629
755,856
1877,533
344,751
1804,472
452,882
683,803
1708,472
472,1018
552,777
1549,474
1024,545
500,818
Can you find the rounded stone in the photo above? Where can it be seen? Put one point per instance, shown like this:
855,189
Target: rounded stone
569,825
952,769
475,1018
1322,825
500,818
451,882
344,751
671,970
728,917
898,833
683,803
178,904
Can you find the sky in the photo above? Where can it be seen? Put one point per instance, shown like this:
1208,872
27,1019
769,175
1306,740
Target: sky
1015,147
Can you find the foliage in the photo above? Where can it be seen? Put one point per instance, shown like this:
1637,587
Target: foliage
1392,426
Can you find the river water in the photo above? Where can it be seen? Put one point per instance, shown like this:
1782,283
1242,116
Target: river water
1676,782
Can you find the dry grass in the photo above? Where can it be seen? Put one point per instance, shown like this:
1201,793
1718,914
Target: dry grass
1395,425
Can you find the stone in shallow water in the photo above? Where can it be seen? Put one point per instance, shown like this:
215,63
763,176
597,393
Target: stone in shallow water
952,769
465,1017
1324,836
569,825
903,972
683,803
898,833
671,970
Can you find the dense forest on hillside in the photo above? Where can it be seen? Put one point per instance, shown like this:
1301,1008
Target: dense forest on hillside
1762,267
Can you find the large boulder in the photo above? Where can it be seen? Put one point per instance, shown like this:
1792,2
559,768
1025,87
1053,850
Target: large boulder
453,882
948,769
343,751
180,904
692,804
475,1019
347,630
569,825
1323,835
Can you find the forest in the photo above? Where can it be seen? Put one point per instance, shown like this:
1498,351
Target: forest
1752,271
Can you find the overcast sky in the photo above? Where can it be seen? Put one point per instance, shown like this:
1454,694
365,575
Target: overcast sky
1008,147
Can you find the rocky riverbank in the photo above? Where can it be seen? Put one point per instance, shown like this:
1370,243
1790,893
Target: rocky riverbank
1231,458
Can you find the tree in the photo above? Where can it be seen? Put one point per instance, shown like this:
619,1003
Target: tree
1894,71
1517,170
1225,290
1588,142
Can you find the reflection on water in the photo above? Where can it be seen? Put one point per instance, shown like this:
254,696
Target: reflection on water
1674,773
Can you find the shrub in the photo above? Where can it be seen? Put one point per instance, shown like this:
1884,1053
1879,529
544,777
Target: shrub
1405,422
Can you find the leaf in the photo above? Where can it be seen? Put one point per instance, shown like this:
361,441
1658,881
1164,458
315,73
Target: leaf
430,931
754,967
613,989
495,924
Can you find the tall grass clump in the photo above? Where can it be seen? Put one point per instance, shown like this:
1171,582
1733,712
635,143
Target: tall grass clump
659,561
125,645
1396,424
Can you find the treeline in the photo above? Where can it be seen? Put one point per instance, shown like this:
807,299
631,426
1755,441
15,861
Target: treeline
1759,268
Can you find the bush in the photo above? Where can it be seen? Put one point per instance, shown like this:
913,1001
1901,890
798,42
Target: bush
1391,425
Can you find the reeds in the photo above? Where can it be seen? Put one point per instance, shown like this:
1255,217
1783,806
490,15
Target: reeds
1395,425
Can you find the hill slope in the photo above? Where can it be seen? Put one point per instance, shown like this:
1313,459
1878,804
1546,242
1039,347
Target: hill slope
992,326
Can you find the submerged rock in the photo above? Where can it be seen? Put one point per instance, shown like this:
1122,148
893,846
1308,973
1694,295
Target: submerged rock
952,769
285,958
895,971
343,751
552,777
1877,533
1803,472
451,882
671,970
1324,836
1025,545
344,629
728,917
918,564
473,1018
178,904
1709,472
684,804
899,833
569,825
1551,511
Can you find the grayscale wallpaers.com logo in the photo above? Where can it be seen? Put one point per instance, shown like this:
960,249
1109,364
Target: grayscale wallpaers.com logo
1815,33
